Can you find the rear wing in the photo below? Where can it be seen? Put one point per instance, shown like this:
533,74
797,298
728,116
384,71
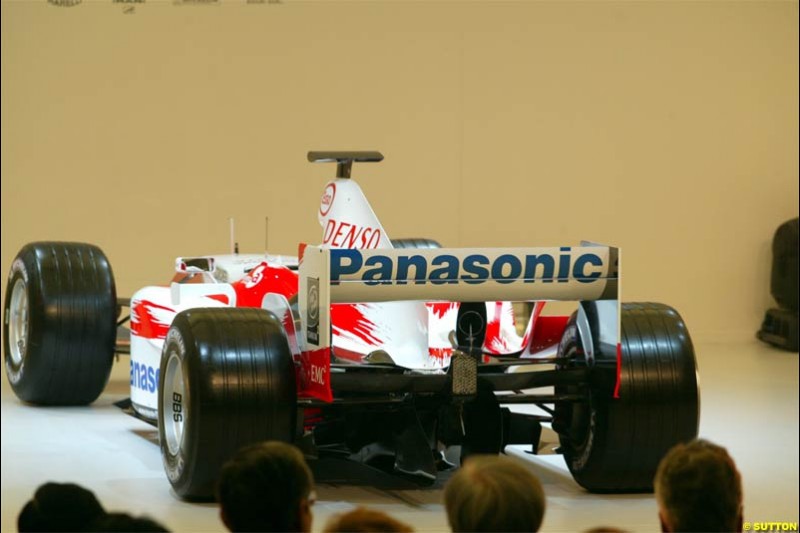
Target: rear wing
464,274
328,276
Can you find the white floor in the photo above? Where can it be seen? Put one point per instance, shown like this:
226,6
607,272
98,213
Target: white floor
749,404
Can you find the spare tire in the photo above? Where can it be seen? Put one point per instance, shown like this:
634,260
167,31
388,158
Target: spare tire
615,444
227,379
59,326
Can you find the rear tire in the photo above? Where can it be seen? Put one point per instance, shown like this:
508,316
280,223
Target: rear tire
227,379
615,444
59,328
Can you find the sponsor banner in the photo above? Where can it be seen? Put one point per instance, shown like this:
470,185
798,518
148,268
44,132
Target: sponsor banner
144,373
347,219
314,375
314,298
465,274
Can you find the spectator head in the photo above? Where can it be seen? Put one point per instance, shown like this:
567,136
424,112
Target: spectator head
698,488
60,507
266,487
123,522
494,493
363,520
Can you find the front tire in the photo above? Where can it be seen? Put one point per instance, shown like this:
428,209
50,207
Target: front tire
615,444
227,379
59,326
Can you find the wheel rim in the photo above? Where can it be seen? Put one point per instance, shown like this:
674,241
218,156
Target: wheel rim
18,322
175,404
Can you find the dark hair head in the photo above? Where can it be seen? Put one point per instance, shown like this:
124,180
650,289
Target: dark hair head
698,488
363,520
494,493
60,507
263,486
123,522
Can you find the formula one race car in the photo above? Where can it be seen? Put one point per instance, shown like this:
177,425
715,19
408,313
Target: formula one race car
380,350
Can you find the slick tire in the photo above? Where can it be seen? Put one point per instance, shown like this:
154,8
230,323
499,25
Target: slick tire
227,380
59,327
615,444
415,243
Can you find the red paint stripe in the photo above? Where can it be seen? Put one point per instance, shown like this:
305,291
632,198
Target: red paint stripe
250,290
349,355
145,324
493,337
311,417
439,309
440,353
548,331
349,318
619,370
526,339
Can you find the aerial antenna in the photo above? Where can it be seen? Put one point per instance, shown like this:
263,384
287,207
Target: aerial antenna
266,234
234,244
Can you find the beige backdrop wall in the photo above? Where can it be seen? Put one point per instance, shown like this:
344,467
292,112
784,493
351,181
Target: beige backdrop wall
667,128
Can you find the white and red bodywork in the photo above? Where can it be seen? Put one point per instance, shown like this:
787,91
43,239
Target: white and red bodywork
414,333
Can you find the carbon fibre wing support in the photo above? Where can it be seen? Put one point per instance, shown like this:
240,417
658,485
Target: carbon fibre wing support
344,160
